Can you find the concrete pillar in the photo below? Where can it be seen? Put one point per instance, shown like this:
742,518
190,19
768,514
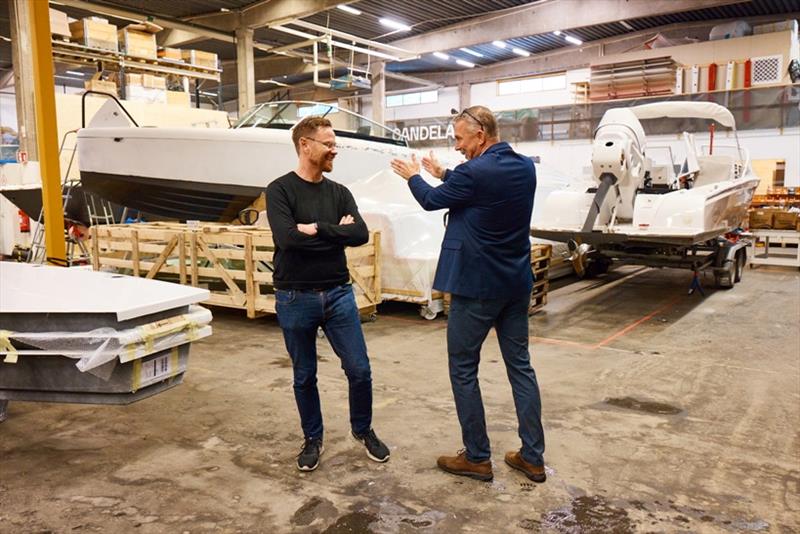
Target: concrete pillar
22,60
378,76
464,95
245,70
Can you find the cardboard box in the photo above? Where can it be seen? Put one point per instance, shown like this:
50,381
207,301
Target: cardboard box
133,79
170,53
784,220
59,23
200,58
154,82
761,219
179,98
94,34
138,44
105,86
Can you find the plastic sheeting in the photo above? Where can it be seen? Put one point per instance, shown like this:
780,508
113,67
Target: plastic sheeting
95,348
410,236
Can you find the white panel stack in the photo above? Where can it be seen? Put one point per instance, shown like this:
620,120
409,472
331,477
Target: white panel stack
75,335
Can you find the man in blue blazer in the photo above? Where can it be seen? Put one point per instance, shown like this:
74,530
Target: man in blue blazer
485,265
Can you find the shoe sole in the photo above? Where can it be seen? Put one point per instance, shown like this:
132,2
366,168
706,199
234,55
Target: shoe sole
539,479
370,456
470,474
313,467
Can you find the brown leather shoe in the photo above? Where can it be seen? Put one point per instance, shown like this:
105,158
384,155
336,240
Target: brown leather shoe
533,472
459,465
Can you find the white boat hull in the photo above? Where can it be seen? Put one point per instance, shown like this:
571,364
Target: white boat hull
683,217
205,174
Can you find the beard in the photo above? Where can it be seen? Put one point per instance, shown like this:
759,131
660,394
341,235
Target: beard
324,162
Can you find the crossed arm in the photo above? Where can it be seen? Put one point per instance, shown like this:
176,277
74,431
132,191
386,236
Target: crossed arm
314,237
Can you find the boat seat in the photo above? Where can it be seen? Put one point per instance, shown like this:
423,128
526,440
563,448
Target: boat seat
713,169
662,175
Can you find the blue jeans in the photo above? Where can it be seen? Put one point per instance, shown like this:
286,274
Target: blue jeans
300,313
467,326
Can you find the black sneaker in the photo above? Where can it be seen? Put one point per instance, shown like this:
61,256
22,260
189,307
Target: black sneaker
308,459
376,449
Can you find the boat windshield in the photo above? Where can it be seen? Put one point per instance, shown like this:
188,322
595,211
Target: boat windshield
284,115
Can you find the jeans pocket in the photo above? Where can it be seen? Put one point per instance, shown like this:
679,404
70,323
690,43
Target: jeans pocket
284,296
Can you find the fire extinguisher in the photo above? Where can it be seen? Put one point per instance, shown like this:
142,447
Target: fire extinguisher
24,222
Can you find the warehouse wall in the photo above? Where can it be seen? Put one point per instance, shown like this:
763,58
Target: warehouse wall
570,157
486,94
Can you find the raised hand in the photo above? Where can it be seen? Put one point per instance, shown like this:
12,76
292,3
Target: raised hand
432,165
406,169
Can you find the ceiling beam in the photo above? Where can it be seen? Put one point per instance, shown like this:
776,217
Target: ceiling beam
261,14
177,38
571,57
544,17
121,13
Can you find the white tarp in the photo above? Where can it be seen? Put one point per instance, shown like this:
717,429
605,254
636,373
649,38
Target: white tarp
411,237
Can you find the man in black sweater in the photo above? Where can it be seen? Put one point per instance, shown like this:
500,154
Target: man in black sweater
312,219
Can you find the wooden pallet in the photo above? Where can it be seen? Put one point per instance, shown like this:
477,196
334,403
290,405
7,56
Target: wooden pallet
540,265
233,262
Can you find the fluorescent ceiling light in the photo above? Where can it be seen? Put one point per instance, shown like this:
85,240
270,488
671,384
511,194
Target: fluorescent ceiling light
441,56
75,72
348,9
465,63
471,52
224,10
499,44
573,40
393,24
521,52
207,93
626,25
557,32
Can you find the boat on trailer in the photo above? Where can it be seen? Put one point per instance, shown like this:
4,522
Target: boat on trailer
668,213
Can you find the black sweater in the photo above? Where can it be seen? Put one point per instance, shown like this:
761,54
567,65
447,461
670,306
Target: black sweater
312,262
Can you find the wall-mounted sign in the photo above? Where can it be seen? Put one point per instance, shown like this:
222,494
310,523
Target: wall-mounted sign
431,132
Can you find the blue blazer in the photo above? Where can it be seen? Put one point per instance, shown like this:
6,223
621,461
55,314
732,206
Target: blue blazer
486,251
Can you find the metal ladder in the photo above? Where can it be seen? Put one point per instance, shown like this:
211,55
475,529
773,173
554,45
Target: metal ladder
77,253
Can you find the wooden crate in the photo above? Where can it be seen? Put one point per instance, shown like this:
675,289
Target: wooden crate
94,34
200,58
138,44
233,262
540,264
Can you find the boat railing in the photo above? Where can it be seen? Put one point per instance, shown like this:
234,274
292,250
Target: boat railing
106,95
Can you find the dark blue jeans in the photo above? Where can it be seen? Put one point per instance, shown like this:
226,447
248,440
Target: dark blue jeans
467,326
300,313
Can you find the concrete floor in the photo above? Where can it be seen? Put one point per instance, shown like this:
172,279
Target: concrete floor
664,413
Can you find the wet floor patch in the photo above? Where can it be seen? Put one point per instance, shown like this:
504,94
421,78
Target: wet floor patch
587,514
355,522
631,403
312,509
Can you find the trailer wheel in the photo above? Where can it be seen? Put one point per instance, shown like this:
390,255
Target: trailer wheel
741,259
725,279
596,266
